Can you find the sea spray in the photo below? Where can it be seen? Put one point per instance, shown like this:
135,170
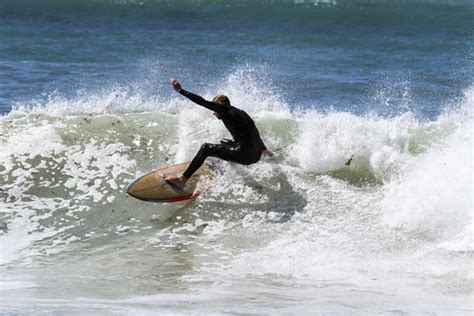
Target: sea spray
433,193
397,212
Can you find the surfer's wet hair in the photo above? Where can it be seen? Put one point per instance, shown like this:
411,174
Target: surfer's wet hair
221,99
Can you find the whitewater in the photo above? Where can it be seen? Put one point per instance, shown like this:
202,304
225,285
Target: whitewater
299,233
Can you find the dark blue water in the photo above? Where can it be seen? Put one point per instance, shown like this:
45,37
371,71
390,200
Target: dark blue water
368,56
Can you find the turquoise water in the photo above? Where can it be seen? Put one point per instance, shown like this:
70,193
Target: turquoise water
86,107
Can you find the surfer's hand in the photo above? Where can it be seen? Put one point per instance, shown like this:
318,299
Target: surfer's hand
176,85
267,153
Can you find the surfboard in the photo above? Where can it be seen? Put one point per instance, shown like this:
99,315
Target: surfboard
152,186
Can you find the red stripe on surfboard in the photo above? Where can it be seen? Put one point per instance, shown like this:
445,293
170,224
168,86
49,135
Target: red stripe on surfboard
184,197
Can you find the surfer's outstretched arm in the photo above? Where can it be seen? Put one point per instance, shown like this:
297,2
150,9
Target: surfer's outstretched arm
194,97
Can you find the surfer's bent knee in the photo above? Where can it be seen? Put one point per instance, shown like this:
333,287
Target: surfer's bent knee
206,147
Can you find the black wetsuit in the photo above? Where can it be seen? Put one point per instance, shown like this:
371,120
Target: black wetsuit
247,146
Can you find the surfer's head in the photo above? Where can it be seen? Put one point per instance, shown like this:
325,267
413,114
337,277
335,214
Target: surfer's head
221,99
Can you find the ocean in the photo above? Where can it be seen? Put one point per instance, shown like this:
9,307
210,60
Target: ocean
86,106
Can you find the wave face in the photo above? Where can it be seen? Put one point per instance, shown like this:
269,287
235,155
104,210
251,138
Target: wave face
399,216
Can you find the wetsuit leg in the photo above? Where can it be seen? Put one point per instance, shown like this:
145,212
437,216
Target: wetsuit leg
228,152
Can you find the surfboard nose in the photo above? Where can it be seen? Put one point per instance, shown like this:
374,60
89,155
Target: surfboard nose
127,188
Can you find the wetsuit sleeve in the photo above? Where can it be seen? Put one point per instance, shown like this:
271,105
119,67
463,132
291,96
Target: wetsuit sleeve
201,101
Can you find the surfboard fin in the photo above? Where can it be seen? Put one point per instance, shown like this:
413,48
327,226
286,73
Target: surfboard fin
175,183
348,162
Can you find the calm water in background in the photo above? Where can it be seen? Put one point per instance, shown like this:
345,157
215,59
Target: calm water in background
86,106
317,55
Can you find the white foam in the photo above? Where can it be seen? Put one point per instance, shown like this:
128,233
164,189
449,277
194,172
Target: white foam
434,192
326,142
36,160
114,99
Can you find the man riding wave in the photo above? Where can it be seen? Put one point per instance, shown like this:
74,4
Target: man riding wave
246,147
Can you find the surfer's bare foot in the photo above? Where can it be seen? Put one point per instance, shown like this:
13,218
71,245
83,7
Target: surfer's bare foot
195,194
177,181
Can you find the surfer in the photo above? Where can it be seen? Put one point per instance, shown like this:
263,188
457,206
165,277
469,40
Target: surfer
246,147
